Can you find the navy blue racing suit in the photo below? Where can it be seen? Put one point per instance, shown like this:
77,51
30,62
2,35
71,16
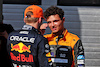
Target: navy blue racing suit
27,48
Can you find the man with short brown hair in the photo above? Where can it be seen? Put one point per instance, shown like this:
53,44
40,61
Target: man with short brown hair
66,48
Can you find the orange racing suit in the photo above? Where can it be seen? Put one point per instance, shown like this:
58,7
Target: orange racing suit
66,50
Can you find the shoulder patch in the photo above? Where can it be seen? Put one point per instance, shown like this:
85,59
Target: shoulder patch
75,37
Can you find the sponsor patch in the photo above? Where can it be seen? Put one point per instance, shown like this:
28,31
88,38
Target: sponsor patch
20,47
63,49
80,65
23,32
23,39
52,54
80,61
22,57
62,55
59,60
80,57
47,46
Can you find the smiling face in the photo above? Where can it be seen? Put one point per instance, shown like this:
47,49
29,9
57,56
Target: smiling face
55,23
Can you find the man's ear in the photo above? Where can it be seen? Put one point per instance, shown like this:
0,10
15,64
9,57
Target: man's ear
63,19
40,19
24,20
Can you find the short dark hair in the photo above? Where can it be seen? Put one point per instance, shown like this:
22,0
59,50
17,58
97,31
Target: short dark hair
53,10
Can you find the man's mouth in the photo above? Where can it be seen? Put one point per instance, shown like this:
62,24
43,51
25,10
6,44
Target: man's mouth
54,28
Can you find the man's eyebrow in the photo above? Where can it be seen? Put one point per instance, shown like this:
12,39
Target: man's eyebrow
55,20
48,21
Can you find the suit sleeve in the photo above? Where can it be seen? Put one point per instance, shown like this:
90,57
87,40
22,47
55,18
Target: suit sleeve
79,54
43,61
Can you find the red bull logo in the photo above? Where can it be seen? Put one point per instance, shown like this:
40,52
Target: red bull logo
22,57
20,47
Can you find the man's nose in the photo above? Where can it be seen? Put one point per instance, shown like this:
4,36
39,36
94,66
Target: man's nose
52,23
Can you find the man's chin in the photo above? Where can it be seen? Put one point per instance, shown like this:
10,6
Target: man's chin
54,32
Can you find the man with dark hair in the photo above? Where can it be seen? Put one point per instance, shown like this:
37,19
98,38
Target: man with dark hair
66,48
27,47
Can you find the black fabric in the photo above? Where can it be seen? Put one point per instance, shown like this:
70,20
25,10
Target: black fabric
79,50
27,48
5,29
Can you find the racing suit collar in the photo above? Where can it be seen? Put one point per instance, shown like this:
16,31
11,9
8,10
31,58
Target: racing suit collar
29,27
65,33
53,35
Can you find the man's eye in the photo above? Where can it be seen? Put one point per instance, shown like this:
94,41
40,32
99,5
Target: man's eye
48,22
56,20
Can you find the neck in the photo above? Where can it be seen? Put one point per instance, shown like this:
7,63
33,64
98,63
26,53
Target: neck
35,25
